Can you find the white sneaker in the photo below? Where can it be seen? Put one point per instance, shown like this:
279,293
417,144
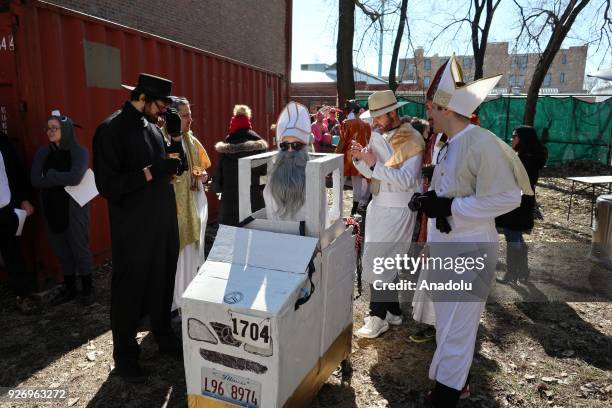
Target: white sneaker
393,320
374,326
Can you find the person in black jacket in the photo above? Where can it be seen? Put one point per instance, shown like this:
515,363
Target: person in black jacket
533,155
14,194
241,141
133,170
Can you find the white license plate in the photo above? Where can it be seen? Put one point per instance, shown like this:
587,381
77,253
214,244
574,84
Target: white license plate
230,388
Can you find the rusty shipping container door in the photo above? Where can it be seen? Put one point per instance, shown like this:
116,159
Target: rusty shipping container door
55,58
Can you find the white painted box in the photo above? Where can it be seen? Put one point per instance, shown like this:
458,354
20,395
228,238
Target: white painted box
245,342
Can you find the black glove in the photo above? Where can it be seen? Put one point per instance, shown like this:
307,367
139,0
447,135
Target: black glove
427,171
434,206
166,167
442,225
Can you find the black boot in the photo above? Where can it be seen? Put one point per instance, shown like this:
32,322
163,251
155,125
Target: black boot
69,292
87,295
522,267
512,255
354,208
444,397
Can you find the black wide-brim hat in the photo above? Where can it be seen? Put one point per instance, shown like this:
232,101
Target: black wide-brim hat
153,86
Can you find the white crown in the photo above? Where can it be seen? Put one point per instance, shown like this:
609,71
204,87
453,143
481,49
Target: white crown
294,121
463,99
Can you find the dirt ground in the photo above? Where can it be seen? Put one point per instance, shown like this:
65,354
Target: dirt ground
528,354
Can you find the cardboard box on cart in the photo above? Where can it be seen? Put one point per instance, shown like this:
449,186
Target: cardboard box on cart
246,343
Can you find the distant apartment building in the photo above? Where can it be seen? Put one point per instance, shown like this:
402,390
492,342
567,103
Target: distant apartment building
566,74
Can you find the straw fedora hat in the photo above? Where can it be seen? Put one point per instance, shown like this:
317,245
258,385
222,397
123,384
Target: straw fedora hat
381,102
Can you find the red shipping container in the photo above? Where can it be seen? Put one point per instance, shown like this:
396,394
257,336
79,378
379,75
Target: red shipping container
55,58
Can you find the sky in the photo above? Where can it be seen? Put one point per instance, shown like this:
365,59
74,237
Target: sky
315,33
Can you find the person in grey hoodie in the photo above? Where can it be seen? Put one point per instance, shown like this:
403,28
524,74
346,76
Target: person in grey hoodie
63,163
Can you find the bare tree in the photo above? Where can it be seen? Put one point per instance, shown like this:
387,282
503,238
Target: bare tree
549,23
396,46
479,16
480,35
376,18
345,84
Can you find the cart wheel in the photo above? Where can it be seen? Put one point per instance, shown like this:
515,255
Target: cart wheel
347,370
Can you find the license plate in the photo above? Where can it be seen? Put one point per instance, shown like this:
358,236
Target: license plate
230,388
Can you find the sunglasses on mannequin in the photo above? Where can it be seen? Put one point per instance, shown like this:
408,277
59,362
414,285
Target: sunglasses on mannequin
296,146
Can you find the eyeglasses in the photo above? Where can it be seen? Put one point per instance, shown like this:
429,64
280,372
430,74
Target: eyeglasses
161,108
284,146
51,129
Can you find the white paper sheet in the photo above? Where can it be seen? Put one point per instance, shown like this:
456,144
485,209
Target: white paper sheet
21,214
85,191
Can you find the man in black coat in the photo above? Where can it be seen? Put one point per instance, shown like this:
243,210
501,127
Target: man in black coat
133,172
14,193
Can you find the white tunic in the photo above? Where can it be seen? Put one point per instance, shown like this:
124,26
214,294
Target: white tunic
390,223
472,221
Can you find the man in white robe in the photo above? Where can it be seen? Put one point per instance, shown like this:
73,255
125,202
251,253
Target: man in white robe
475,180
393,161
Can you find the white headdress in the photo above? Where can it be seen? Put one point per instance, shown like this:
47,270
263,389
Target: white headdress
294,121
463,99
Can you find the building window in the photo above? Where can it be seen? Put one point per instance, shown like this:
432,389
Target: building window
547,80
427,64
564,59
426,81
562,77
519,61
517,80
411,71
468,63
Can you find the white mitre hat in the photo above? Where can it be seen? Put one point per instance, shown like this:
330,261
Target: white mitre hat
462,99
294,121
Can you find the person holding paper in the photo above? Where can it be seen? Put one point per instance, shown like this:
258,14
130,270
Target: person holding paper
63,162
14,197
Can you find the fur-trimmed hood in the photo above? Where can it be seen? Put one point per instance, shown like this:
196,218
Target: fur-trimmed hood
247,146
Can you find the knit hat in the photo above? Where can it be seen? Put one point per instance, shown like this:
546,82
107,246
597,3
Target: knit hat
294,121
241,119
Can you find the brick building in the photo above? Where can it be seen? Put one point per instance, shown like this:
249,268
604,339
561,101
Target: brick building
566,74
244,30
